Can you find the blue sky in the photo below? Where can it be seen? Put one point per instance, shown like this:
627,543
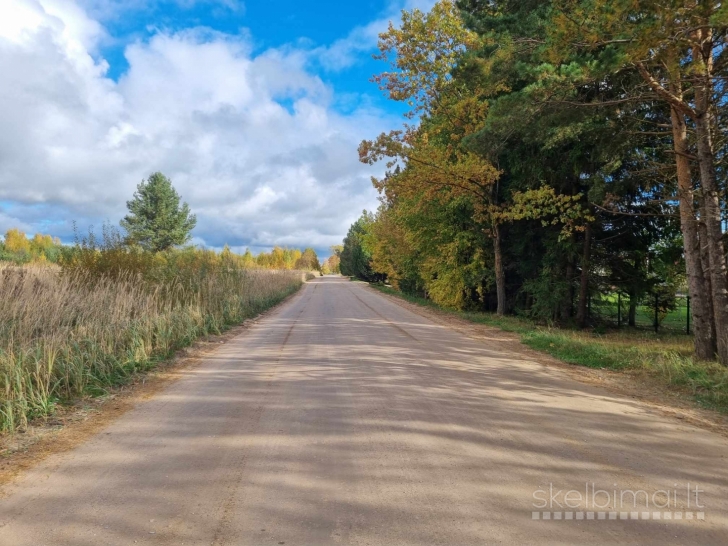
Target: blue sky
254,109
273,24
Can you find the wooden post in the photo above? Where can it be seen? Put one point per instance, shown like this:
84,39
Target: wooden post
687,327
619,309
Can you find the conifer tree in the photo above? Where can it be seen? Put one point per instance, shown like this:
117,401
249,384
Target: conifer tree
156,220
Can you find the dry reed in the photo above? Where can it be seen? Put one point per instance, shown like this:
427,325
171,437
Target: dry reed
64,334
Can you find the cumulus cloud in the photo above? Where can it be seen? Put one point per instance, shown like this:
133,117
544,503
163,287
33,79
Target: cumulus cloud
345,52
251,141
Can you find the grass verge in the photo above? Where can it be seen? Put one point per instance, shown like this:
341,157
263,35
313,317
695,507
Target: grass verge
664,357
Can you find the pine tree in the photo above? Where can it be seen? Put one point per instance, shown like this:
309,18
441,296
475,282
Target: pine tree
157,221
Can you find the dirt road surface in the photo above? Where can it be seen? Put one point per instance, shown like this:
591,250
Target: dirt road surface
343,418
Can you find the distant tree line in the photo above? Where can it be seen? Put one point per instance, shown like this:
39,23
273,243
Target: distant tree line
16,247
158,221
332,264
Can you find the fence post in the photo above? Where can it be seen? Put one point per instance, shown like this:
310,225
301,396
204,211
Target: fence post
657,317
687,328
619,309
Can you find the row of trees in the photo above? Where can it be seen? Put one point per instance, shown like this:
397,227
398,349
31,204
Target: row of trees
279,258
558,149
16,247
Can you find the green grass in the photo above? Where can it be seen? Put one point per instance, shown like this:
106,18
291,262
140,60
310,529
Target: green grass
666,357
605,308
572,351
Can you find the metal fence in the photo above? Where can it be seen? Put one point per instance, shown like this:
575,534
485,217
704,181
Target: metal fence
653,311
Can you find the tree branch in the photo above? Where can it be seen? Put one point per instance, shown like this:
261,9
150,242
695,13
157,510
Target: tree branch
620,213
670,98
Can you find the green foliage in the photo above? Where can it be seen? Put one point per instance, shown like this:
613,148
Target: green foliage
110,256
356,257
505,175
422,51
156,220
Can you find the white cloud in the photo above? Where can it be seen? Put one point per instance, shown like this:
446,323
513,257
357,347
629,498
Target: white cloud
250,141
345,52
7,221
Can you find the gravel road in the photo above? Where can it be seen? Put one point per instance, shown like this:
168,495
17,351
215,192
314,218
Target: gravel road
343,418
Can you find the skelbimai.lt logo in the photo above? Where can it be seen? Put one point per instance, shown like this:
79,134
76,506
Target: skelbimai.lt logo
679,502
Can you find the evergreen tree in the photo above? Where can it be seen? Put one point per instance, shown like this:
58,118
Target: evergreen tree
659,62
156,220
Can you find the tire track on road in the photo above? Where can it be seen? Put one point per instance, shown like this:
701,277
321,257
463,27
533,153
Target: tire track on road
228,506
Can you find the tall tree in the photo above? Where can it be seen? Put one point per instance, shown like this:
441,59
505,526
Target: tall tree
156,220
16,241
356,258
678,48
659,61
550,145
422,52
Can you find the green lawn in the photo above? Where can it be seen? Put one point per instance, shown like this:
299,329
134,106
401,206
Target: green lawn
605,308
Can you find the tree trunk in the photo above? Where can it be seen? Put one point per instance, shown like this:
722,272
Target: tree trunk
710,214
581,314
714,240
705,261
500,277
703,338
566,304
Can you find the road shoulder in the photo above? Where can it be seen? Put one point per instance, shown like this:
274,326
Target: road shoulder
629,383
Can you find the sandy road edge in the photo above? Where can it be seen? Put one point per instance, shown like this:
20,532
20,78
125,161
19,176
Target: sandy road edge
656,397
72,426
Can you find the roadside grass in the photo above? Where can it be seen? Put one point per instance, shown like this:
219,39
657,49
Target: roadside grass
667,357
70,333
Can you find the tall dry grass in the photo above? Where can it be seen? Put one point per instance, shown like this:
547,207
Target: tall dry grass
69,332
